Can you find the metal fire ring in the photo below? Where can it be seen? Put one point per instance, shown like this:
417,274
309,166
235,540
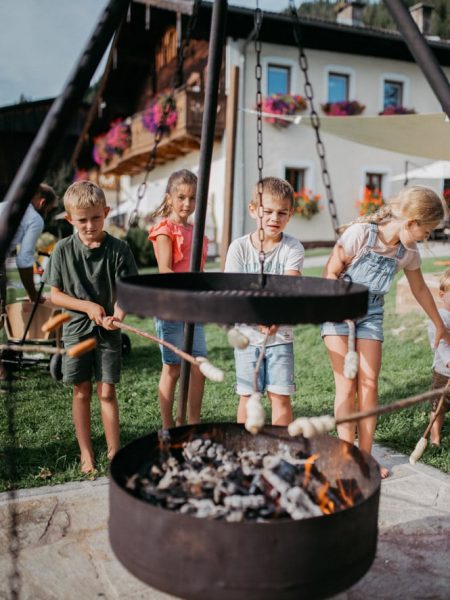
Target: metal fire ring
239,298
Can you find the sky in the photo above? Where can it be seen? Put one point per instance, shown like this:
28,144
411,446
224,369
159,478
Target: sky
42,40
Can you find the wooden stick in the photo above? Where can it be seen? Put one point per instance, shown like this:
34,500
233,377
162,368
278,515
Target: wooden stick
208,370
381,410
76,350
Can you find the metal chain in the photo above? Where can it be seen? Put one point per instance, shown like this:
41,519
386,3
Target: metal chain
168,106
315,120
259,136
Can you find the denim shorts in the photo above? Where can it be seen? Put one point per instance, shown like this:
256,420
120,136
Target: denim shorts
173,332
276,373
103,363
369,327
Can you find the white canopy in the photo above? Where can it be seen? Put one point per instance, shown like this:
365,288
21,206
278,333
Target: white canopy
436,170
426,135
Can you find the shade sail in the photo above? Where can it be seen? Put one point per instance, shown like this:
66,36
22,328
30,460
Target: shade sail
436,170
426,135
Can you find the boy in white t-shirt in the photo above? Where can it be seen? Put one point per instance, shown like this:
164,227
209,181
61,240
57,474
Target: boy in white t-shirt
283,255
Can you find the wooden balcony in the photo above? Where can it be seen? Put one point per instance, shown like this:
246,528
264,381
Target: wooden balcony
180,141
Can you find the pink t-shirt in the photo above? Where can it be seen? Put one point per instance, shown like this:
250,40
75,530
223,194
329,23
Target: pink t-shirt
181,236
354,240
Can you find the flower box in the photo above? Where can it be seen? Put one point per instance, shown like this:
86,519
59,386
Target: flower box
113,142
306,204
161,114
343,109
397,110
371,201
282,104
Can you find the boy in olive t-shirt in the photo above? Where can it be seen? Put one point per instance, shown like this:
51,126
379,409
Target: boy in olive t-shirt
82,272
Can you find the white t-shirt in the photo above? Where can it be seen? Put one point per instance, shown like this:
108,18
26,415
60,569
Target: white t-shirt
441,357
354,240
243,257
27,234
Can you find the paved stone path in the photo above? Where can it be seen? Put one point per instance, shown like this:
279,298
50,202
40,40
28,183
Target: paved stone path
65,553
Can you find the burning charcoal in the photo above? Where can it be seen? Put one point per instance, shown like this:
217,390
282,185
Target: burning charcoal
298,504
132,482
244,502
235,516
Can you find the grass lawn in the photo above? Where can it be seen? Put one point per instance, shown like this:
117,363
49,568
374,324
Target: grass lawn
45,450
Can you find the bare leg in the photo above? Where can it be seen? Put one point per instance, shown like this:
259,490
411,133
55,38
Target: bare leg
435,432
369,369
345,398
242,409
281,409
166,392
195,396
81,415
109,410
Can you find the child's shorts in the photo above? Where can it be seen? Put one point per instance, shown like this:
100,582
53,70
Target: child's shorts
173,332
103,363
276,373
439,381
369,327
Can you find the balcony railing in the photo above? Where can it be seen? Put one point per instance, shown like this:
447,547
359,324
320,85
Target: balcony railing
181,140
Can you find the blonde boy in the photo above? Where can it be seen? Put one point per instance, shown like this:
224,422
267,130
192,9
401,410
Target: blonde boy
441,360
82,272
283,255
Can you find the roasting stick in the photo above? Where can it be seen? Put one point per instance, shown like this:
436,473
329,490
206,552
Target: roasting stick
308,427
255,416
419,449
77,350
208,369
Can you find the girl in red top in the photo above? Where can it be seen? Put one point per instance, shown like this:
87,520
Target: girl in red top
172,240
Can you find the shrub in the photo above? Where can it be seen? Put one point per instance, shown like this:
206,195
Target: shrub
141,247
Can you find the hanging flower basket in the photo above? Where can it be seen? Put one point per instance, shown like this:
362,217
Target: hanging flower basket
111,143
161,114
397,110
343,109
306,204
282,104
372,200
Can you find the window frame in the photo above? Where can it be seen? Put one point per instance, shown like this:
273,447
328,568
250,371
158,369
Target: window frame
340,70
394,78
280,61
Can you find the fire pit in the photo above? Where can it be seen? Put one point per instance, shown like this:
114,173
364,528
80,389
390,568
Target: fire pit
203,558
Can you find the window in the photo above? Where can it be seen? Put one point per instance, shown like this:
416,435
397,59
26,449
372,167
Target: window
296,177
393,93
338,87
278,79
374,181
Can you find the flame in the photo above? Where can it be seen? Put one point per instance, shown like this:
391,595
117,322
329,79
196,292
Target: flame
308,467
326,505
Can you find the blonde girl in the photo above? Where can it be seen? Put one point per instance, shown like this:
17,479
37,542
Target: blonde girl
370,251
172,241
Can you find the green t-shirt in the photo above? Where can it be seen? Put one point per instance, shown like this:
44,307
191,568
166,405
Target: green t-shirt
88,274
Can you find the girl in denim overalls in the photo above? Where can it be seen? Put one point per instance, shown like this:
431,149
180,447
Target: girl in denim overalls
370,251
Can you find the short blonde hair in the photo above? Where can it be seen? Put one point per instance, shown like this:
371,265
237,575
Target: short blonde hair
444,281
275,187
83,194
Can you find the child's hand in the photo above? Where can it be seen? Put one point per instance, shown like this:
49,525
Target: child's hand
272,329
442,333
108,323
95,312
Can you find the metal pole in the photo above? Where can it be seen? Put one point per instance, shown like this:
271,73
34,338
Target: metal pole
35,163
216,43
421,52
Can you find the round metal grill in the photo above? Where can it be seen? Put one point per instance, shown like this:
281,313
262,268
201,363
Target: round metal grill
239,298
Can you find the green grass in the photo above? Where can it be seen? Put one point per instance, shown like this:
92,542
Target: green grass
46,450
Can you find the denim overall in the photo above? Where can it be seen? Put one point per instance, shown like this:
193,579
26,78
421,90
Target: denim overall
377,273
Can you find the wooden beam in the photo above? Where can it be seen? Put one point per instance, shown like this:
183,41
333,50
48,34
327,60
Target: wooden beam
230,129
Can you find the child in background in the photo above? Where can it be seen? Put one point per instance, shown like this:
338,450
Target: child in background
82,273
370,251
441,361
172,241
283,256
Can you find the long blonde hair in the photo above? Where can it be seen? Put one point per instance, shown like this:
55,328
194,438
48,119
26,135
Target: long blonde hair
181,177
415,203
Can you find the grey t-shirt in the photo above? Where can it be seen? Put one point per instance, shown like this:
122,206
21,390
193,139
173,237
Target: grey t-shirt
243,257
88,274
